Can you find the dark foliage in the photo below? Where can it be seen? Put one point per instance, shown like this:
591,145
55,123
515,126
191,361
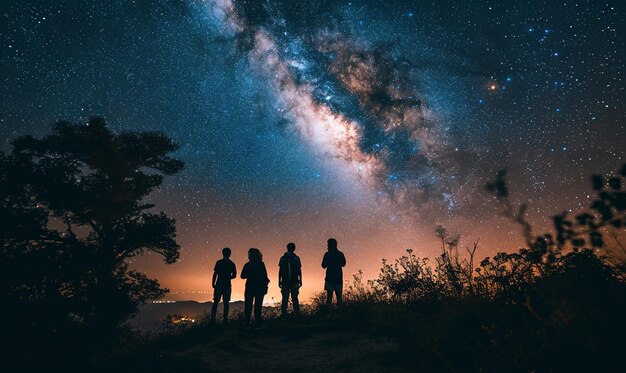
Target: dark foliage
71,215
556,305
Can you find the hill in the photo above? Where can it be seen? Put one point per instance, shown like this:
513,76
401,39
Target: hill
309,344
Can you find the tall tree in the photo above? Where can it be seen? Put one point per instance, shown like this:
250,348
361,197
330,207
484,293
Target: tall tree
72,212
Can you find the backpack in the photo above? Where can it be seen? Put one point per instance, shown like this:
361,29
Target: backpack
290,269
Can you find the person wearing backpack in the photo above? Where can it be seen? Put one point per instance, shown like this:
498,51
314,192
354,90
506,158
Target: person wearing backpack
255,274
333,262
290,279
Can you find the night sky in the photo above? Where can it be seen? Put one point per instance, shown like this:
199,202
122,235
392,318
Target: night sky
367,121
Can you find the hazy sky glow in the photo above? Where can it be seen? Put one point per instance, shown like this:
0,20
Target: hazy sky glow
367,121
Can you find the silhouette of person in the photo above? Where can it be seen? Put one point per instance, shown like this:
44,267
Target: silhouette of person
257,281
333,262
290,279
223,272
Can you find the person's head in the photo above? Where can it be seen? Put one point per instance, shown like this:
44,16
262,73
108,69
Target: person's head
226,252
254,255
291,247
332,244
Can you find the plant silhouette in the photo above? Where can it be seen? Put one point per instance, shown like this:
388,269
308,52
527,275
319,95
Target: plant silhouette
71,215
555,305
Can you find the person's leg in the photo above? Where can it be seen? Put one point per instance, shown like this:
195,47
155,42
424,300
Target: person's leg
294,299
226,298
258,308
247,308
329,300
285,301
339,291
216,301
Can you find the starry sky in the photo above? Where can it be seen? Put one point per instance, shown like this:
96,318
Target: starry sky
367,121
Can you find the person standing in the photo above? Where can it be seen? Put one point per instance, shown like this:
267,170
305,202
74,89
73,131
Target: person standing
333,262
257,281
223,272
290,279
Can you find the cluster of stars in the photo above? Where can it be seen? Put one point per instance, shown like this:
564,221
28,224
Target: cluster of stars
536,88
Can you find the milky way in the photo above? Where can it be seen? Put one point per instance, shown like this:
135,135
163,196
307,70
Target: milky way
391,143
368,121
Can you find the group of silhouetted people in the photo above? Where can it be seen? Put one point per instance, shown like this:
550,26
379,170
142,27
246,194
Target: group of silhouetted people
289,281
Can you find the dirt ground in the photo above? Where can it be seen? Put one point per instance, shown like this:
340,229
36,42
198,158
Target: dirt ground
281,346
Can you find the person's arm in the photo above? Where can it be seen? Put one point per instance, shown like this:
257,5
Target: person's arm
325,261
343,260
299,273
265,272
214,281
233,273
280,273
244,271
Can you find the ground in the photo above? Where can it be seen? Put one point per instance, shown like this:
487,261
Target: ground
310,345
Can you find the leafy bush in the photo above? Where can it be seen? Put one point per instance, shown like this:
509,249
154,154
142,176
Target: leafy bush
555,305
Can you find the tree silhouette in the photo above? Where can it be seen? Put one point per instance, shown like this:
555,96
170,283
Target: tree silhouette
72,213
